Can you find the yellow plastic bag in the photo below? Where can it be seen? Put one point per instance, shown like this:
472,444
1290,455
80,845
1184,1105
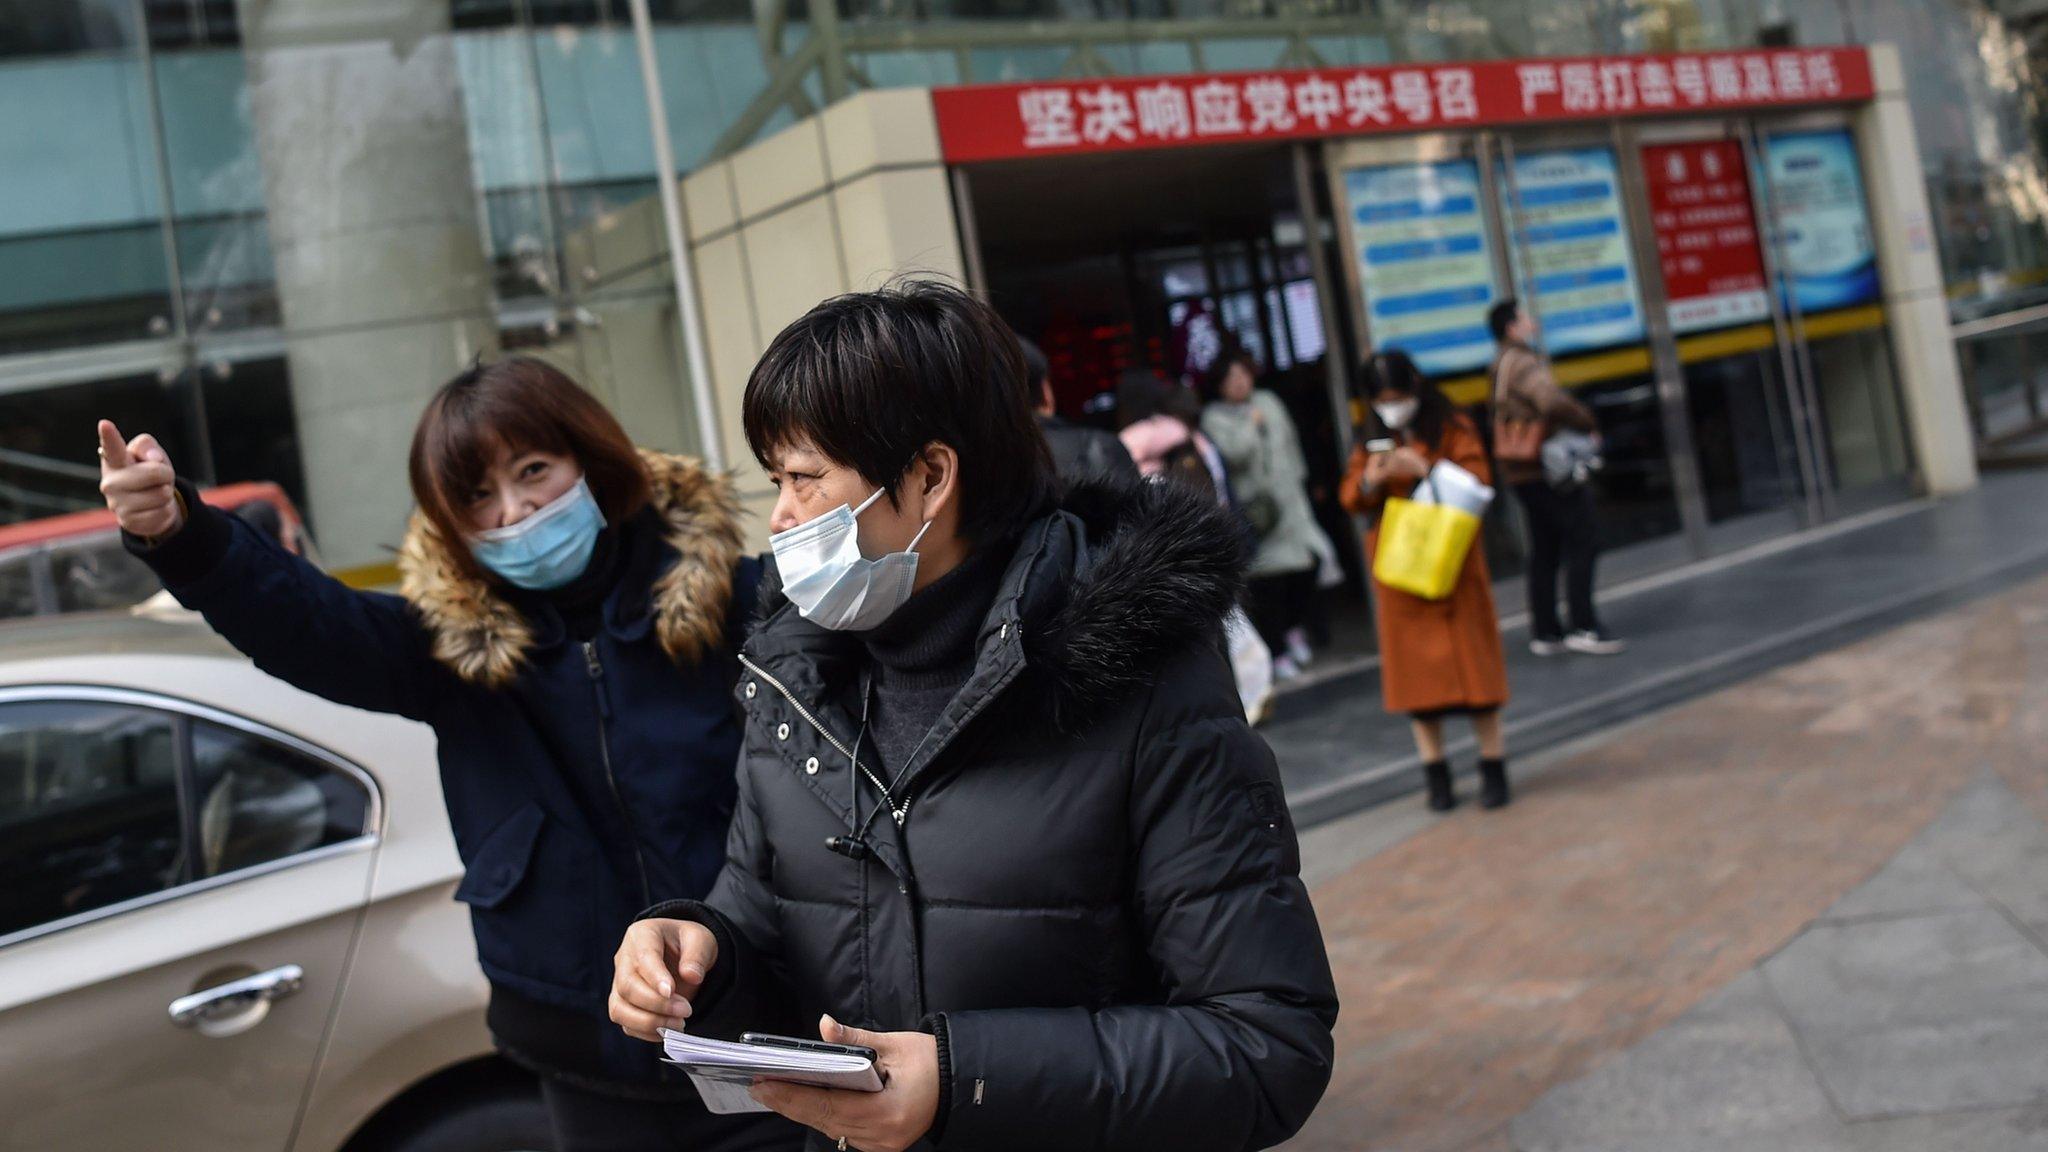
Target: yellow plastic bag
1422,547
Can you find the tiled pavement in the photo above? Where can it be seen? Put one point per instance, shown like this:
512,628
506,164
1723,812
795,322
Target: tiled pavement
1809,911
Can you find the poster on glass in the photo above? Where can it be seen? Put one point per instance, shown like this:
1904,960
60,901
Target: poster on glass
1424,261
1815,183
1572,251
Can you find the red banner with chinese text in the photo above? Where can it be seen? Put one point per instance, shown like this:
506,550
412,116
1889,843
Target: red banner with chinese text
1062,117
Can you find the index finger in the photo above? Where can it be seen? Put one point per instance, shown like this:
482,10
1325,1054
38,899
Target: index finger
113,449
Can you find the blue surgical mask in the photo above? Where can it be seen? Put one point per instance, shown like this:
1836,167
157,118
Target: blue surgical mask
547,549
831,583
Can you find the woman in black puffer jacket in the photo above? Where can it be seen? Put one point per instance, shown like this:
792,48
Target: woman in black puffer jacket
1000,813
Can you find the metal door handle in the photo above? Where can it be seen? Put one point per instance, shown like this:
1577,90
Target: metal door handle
236,995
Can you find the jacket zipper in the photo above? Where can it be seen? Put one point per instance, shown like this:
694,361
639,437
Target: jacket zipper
604,752
900,814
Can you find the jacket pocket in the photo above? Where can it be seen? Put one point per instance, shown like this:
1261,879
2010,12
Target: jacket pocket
501,860
527,906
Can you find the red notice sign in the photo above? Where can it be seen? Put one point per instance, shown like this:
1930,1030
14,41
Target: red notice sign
1006,121
1706,234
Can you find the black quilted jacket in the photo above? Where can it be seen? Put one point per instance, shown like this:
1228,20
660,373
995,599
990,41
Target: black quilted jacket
1088,886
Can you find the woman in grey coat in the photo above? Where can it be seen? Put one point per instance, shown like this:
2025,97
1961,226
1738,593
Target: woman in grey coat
1252,430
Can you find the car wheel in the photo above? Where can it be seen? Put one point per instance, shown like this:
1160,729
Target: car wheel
506,1123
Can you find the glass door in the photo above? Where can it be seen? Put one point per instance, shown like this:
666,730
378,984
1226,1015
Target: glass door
1825,257
1721,342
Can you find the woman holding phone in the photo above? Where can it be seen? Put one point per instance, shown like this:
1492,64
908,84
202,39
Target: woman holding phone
1001,819
1438,658
566,623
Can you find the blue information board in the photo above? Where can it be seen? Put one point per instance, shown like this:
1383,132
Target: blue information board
1424,261
1573,249
1822,222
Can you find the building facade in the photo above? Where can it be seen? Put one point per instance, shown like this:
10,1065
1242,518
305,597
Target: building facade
267,229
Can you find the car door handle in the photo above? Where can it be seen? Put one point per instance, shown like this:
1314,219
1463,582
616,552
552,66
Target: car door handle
235,995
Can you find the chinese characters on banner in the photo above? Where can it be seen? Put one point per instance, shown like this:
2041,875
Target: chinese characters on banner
1005,121
1706,234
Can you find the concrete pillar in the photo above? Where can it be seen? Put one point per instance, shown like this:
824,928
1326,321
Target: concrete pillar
1915,302
839,202
381,276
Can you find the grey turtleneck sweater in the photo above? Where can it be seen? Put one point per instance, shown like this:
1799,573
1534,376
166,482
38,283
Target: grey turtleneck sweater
921,656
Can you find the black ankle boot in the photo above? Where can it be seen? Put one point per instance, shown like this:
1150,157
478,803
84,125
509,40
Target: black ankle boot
1493,783
1437,776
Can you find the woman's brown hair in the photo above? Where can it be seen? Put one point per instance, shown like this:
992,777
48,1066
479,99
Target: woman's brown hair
519,404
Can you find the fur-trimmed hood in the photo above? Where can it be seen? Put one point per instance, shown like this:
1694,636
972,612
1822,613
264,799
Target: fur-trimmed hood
485,639
1157,567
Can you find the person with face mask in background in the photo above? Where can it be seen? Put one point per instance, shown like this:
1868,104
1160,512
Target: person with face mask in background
567,617
1438,658
1001,818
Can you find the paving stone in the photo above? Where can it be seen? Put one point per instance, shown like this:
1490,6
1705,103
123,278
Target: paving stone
1996,1130
1577,972
1917,880
1992,841
1923,1014
1727,1068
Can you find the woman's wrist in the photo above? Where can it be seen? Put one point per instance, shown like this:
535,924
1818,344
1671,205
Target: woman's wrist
177,524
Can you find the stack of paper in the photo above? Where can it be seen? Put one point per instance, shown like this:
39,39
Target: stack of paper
723,1071
1454,487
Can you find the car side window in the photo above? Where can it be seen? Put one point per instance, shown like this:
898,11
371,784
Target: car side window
89,808
100,573
258,801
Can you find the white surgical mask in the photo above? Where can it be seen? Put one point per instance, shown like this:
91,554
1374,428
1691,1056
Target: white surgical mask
1396,414
831,583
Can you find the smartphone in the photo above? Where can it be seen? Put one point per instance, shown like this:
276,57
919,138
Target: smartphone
1376,446
767,1040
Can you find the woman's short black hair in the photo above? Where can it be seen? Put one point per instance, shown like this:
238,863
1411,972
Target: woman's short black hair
1395,371
1500,316
870,378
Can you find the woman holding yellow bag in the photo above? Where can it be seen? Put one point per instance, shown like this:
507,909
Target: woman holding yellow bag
1438,657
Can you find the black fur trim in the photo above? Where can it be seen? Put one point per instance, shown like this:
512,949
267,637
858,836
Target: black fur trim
1165,564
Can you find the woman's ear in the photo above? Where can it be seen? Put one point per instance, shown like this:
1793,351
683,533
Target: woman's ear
939,483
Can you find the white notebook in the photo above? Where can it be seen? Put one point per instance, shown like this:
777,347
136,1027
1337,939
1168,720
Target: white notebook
723,1071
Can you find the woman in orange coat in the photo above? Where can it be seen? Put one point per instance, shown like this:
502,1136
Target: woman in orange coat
1438,658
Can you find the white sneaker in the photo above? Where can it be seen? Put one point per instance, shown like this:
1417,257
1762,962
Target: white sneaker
1540,647
1284,668
1298,649
1594,644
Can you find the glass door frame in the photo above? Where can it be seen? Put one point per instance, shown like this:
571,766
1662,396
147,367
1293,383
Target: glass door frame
1808,509
1760,129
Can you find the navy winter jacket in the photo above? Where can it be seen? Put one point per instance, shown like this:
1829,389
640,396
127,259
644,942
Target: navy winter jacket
584,781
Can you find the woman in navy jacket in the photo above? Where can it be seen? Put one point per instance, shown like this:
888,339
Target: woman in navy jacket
566,622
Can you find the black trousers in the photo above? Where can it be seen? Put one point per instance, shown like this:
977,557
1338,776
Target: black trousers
1278,603
1562,529
590,1122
